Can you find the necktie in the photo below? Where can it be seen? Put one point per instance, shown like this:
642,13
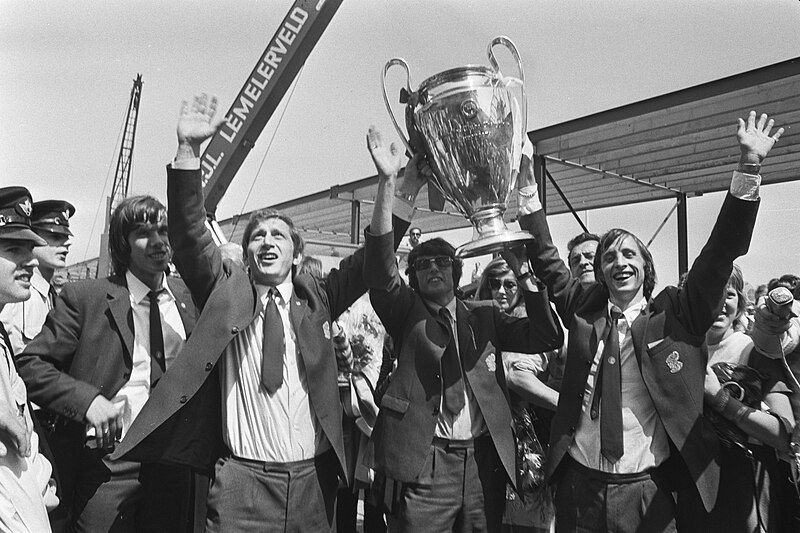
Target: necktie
157,362
274,345
609,387
51,298
451,370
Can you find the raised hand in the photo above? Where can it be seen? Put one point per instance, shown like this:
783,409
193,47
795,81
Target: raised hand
386,157
197,122
754,138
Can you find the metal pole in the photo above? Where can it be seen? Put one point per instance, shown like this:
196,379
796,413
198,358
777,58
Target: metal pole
661,226
355,221
564,197
683,239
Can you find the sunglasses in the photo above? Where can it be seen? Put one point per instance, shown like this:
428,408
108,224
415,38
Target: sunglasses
507,284
424,263
415,234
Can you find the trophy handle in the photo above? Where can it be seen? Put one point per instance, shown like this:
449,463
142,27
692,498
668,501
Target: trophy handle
505,41
401,62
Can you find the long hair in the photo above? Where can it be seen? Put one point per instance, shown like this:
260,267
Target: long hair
130,213
265,214
496,268
608,240
736,282
430,248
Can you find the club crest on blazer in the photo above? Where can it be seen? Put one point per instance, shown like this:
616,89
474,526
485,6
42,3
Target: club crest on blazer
674,362
490,362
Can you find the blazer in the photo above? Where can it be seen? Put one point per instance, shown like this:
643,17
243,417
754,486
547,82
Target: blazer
668,339
182,420
85,349
86,344
409,409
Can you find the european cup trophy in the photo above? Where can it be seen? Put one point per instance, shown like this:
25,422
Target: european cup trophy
471,123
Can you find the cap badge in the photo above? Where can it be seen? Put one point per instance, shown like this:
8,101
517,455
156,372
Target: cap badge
26,207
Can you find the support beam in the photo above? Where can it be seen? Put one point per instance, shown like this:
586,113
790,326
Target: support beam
612,174
683,240
355,221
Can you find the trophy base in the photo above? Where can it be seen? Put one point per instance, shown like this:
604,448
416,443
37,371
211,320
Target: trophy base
493,243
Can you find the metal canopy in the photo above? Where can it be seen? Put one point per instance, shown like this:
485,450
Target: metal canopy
664,147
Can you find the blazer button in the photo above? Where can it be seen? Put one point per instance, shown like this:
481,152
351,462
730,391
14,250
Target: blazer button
435,410
209,366
235,330
126,375
572,429
437,376
183,399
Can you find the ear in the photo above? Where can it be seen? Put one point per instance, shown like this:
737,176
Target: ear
297,259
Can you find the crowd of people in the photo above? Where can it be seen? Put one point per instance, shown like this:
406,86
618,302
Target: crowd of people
256,392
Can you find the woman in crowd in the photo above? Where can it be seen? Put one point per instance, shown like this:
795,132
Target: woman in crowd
748,456
530,508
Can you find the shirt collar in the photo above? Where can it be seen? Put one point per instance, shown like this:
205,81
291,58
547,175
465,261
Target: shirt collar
451,306
633,310
139,290
38,282
285,289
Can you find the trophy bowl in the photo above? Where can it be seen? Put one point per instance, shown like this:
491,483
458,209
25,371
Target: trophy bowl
471,124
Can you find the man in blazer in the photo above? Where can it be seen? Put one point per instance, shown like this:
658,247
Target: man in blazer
444,429
94,364
641,371
276,430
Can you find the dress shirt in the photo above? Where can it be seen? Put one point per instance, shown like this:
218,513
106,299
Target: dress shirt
24,320
281,427
468,423
644,437
137,390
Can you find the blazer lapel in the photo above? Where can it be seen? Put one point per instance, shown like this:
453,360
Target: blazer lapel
181,297
119,304
599,321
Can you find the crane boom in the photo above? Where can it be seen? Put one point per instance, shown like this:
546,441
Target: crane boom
122,175
262,92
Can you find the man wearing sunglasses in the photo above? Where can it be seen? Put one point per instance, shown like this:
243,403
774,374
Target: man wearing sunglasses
444,428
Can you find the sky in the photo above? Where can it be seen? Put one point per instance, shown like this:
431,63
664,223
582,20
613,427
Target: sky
67,70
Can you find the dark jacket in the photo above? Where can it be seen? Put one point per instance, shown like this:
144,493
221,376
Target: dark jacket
410,406
668,339
182,420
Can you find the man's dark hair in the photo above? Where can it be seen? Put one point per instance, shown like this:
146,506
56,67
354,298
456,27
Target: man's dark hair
129,214
265,214
607,241
581,238
432,248
790,281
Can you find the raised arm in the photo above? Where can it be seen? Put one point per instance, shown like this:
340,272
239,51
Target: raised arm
730,237
543,254
197,257
346,284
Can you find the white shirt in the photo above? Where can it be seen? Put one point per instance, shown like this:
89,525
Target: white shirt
23,480
644,437
469,422
281,427
137,390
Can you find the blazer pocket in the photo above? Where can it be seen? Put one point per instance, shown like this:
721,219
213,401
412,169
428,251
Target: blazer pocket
394,403
660,346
